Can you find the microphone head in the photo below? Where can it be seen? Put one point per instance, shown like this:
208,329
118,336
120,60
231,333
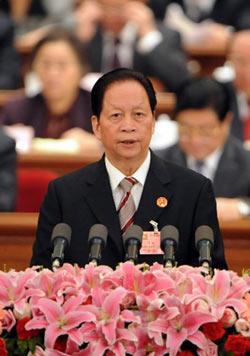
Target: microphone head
98,231
169,232
204,232
62,230
134,232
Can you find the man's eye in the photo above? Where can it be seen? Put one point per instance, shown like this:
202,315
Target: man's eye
115,116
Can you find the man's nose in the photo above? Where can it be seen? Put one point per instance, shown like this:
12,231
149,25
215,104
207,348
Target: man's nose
128,123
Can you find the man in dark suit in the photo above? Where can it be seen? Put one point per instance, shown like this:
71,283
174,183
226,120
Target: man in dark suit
9,60
203,117
123,104
125,33
234,13
238,57
205,24
7,172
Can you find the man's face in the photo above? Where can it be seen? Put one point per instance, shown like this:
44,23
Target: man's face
201,132
126,124
113,18
115,14
240,58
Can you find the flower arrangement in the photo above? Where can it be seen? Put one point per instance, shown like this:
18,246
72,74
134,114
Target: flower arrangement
133,310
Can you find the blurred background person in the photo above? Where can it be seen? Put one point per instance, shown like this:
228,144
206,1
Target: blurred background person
204,23
239,61
205,145
33,18
61,109
8,184
9,60
122,33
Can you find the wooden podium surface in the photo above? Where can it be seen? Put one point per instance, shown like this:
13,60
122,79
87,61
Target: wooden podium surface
59,162
17,233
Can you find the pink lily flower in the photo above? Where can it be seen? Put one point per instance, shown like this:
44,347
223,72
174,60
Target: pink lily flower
13,286
61,319
108,332
184,326
146,345
220,292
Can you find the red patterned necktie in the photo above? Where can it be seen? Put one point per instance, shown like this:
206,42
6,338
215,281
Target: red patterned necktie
126,209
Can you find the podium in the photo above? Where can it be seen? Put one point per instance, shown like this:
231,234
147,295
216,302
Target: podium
17,234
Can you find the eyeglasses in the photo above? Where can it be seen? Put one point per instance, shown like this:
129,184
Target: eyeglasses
186,131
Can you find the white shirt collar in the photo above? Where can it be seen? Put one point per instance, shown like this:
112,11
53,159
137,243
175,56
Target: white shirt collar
116,176
210,163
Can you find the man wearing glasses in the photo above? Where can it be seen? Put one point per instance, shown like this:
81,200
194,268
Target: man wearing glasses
203,116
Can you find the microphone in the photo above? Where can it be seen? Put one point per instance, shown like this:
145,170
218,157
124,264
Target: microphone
204,241
97,241
169,243
60,238
132,242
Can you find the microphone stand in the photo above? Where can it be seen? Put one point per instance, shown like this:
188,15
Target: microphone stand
207,268
55,265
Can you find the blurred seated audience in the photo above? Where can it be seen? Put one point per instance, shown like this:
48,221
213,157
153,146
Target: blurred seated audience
205,145
239,61
204,23
7,172
61,109
122,33
33,18
9,60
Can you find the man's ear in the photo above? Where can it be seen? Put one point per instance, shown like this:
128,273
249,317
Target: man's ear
95,126
226,124
229,117
154,118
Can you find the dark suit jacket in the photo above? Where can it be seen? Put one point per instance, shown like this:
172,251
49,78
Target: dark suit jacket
84,198
9,60
7,172
166,62
33,111
237,129
232,177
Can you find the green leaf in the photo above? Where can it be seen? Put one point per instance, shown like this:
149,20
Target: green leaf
22,345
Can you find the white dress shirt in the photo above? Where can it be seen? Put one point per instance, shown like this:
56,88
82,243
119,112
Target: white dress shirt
116,176
125,48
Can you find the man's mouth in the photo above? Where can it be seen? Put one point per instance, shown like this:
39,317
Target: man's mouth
128,142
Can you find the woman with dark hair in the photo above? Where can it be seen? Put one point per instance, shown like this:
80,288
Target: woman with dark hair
62,108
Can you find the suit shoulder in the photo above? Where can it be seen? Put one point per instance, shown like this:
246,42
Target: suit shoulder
178,172
238,150
80,174
7,144
183,172
167,153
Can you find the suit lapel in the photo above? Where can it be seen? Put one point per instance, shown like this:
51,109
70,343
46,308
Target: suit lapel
227,171
100,199
156,186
